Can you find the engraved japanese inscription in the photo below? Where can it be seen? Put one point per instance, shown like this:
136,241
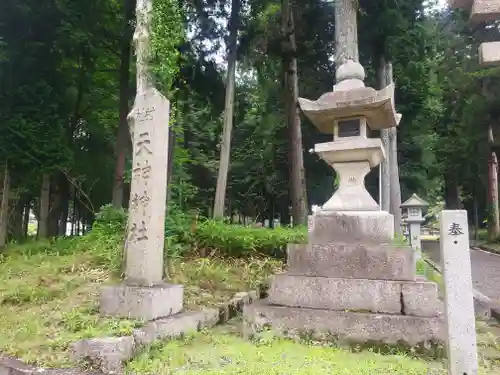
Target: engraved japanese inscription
142,145
140,197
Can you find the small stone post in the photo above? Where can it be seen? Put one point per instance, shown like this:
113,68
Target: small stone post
144,295
459,305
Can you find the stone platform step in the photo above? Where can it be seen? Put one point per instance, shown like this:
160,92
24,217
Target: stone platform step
357,261
346,326
416,298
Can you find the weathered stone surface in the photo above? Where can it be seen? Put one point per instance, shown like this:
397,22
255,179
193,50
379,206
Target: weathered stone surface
146,303
336,294
356,261
366,227
458,291
421,299
464,4
376,106
350,326
106,353
176,326
351,194
485,10
489,54
13,366
145,232
377,296
351,150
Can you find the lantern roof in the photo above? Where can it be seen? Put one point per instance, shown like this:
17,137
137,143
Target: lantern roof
414,201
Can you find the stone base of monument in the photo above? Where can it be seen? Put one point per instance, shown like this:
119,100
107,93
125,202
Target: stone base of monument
352,283
342,326
375,227
139,302
347,260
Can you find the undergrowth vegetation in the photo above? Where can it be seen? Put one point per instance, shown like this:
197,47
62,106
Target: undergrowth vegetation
189,235
49,289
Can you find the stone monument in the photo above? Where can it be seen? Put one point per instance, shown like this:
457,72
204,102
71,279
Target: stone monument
350,281
144,294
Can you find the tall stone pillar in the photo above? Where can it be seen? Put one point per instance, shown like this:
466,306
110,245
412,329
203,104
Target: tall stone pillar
144,294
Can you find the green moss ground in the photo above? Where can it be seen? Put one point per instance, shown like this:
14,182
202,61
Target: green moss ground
219,352
223,351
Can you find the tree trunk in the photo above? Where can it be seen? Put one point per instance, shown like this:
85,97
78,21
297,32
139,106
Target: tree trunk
225,149
73,210
298,192
494,220
4,209
64,205
43,223
123,137
346,31
476,220
16,220
78,221
451,191
395,206
55,205
385,172
392,155
26,218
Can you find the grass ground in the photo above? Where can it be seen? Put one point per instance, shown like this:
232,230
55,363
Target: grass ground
48,300
223,353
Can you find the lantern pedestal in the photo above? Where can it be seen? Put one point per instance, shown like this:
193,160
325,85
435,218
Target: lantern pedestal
352,158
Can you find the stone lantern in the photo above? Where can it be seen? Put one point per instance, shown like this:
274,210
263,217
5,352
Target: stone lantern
414,207
346,113
350,280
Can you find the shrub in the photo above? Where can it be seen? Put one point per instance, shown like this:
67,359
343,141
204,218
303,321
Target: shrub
238,240
110,220
183,232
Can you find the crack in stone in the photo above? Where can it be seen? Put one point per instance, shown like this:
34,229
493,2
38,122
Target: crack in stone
401,298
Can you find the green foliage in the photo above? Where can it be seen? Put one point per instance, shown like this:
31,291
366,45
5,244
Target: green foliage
184,233
400,240
238,240
110,220
424,268
60,117
166,36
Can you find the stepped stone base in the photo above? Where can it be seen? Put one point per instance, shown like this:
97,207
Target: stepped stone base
353,327
376,296
146,303
351,283
352,260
